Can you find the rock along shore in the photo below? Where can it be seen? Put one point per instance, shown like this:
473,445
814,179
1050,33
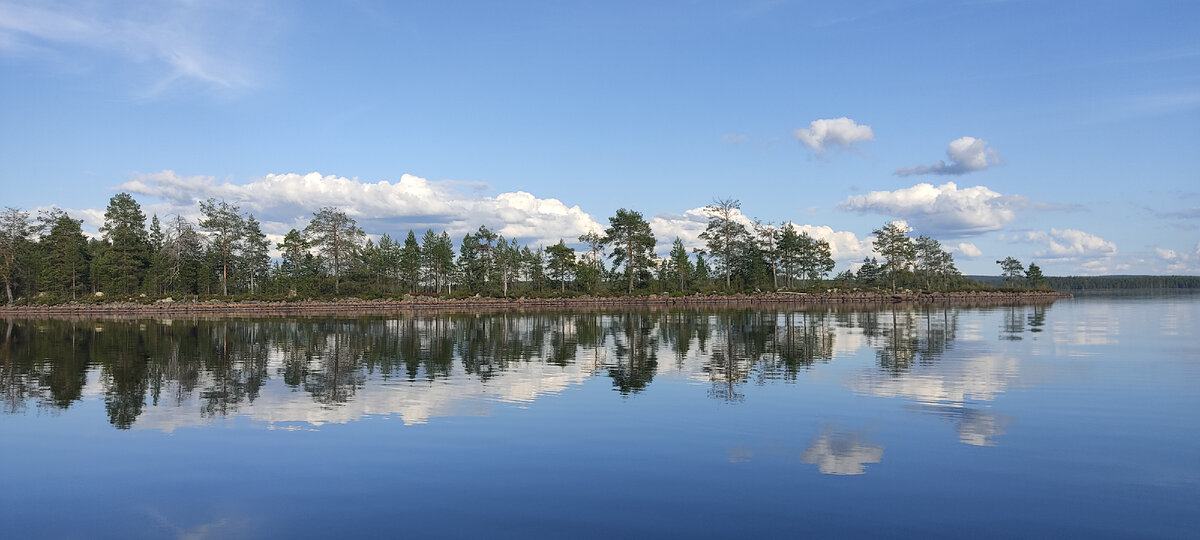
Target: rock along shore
417,304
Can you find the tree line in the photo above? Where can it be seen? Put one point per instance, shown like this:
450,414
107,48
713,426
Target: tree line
49,259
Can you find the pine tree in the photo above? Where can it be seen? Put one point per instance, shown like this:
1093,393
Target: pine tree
562,262
14,235
255,257
681,265
66,256
337,238
724,235
124,261
410,262
894,245
633,242
226,226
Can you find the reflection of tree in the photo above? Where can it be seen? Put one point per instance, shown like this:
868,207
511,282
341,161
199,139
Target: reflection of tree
1013,324
636,352
741,342
899,343
235,358
223,364
840,452
939,332
564,342
676,327
124,368
800,340
46,362
337,373
901,338
1037,318
14,385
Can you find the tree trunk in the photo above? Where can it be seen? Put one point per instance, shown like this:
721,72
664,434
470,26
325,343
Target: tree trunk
629,263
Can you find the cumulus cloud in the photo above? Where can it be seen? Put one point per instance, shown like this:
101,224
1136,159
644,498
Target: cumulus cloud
943,209
1071,244
284,201
967,250
182,41
1166,254
826,132
966,154
687,227
844,246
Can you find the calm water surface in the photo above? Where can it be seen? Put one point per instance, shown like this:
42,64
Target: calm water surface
1080,418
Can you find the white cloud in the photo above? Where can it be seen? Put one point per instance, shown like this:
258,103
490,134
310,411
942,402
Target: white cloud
207,42
284,201
967,250
1166,254
967,154
943,209
844,246
687,227
1072,244
833,132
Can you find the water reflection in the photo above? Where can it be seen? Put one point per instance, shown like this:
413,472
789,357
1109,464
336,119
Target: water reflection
164,374
842,452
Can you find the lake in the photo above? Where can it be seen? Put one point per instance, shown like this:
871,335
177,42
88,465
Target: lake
1079,418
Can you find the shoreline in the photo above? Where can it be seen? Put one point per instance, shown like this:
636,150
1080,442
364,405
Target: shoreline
420,304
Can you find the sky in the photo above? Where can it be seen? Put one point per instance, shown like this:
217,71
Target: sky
1061,133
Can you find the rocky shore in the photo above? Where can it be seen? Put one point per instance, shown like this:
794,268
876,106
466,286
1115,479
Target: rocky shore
351,306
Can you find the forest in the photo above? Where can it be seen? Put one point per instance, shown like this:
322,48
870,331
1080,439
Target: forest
47,259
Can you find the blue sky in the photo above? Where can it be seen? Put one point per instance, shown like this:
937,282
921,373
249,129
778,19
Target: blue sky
1058,132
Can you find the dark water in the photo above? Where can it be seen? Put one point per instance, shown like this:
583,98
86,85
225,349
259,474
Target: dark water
1077,419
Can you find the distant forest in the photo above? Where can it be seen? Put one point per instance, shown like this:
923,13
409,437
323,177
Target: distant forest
47,259
1100,283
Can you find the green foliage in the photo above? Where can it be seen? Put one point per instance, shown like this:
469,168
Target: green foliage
633,244
14,239
562,263
679,269
1012,270
1112,283
893,243
337,238
125,258
725,237
1034,277
65,250
225,225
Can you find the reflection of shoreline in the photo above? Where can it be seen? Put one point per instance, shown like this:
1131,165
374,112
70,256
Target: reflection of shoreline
320,370
213,308
411,402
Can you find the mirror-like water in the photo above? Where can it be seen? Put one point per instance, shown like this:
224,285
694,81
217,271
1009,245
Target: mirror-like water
1073,418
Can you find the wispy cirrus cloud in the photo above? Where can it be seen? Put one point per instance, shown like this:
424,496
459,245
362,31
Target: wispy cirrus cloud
967,154
210,43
